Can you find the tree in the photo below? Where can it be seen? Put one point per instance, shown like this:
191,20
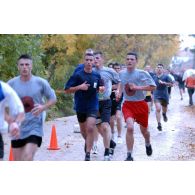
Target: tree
12,46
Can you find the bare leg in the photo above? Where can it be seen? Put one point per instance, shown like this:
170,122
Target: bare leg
29,151
158,110
129,134
90,132
145,133
119,122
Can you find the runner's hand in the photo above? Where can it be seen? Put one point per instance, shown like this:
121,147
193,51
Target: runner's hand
38,108
84,86
14,130
117,95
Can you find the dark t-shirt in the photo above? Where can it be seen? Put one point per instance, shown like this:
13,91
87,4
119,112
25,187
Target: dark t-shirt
85,101
161,91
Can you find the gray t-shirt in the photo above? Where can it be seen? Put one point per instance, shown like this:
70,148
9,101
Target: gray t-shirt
109,76
32,92
137,77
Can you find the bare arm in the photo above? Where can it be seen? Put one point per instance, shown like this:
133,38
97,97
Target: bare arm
83,87
39,108
142,88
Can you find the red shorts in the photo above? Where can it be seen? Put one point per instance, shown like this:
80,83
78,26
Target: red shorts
137,110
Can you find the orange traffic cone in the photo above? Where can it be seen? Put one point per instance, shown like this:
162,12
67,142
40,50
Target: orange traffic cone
53,140
11,156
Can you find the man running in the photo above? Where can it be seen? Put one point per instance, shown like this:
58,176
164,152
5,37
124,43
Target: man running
161,96
134,83
190,84
85,84
32,90
108,75
116,110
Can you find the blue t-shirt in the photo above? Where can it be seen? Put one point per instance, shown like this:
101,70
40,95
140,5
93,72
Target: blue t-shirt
161,91
79,68
85,101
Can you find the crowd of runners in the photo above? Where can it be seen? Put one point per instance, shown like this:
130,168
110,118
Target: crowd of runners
103,97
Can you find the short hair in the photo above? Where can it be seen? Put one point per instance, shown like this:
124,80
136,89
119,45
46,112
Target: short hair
133,54
98,53
116,64
89,54
160,65
25,56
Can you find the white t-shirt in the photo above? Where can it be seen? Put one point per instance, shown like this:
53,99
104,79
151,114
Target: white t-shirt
8,98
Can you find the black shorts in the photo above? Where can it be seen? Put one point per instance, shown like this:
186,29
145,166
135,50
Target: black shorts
181,86
148,98
115,106
82,117
22,142
1,146
163,102
105,110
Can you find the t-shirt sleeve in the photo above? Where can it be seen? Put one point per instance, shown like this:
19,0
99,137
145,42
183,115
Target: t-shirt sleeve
146,79
49,93
115,75
169,79
72,82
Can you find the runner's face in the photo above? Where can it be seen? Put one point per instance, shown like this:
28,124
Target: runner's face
159,70
131,62
98,60
117,68
25,67
89,61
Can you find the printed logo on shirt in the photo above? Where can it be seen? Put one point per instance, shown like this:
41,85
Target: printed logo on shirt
28,103
128,91
95,85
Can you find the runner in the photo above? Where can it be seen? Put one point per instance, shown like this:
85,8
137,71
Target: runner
190,84
11,120
116,110
161,96
149,96
31,89
134,83
85,84
181,83
108,75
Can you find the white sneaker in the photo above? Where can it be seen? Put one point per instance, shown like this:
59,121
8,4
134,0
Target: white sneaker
119,140
106,158
95,149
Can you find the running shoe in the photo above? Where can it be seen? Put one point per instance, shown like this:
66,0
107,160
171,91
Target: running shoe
112,147
165,117
129,157
149,150
87,156
159,127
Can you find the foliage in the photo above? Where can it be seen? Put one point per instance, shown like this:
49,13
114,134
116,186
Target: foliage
12,46
152,49
55,56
